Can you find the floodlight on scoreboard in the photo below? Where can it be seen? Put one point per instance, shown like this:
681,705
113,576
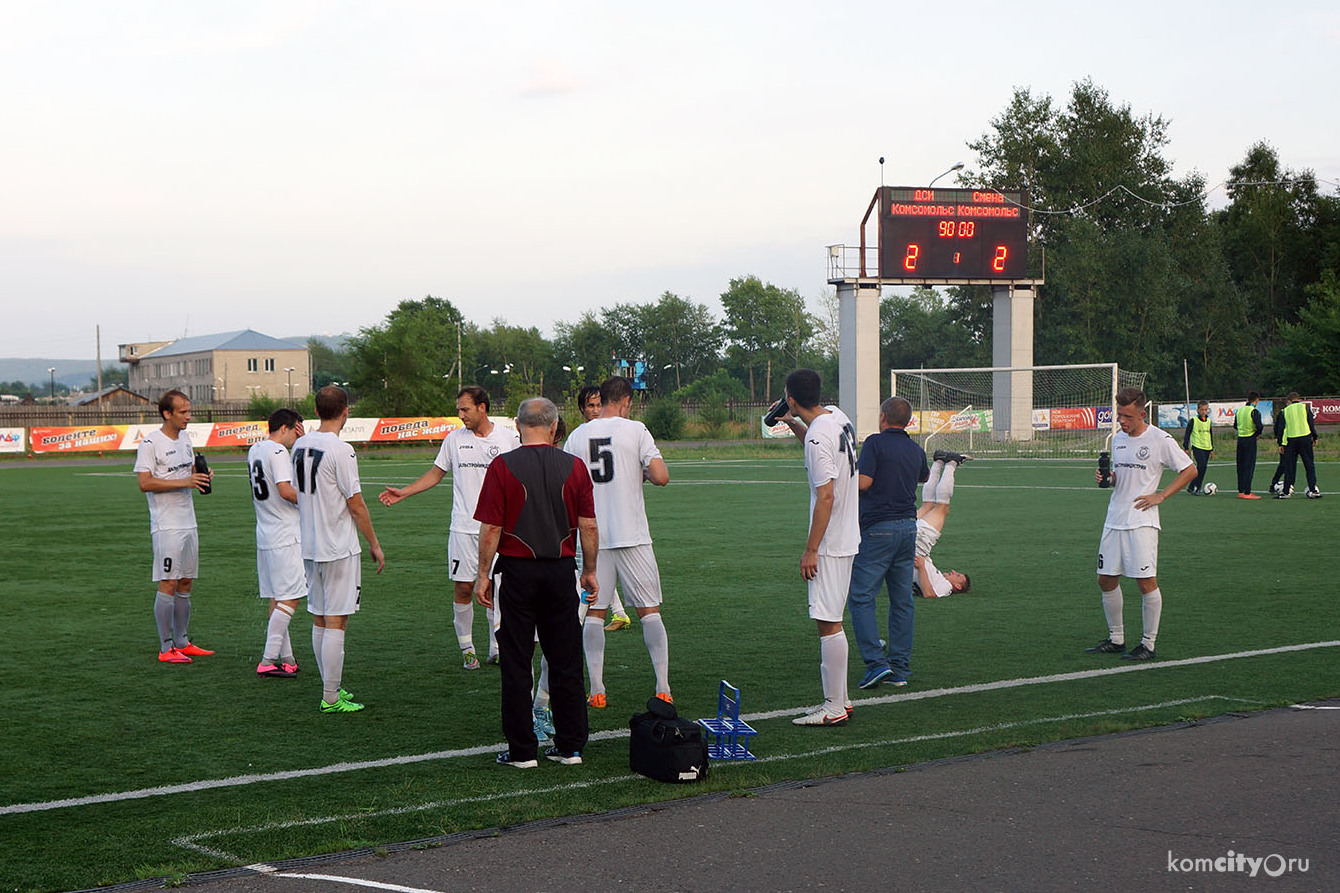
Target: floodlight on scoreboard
927,233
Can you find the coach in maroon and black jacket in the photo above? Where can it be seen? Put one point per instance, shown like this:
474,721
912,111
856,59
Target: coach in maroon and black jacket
534,503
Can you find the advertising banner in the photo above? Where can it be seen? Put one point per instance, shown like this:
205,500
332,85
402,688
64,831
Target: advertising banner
1325,410
234,434
1074,418
1042,419
88,438
11,440
393,430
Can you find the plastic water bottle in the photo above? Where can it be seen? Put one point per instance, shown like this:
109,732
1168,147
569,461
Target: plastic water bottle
1105,470
202,467
588,598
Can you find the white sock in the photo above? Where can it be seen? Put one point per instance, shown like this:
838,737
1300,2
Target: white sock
542,690
658,646
181,618
1151,609
944,491
593,643
318,636
276,633
1116,627
928,489
833,651
463,618
332,664
163,618
493,616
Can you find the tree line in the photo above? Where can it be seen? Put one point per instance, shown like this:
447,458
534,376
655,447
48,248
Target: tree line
1139,270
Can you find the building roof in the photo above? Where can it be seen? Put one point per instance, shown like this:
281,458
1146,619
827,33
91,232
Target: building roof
245,339
107,392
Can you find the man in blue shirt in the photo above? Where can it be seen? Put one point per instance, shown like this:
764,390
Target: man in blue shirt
890,467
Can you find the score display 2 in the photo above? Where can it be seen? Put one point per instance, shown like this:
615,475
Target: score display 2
927,233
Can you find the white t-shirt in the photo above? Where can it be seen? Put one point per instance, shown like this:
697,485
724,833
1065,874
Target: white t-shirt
830,455
939,584
277,524
170,460
466,457
1138,464
616,451
325,472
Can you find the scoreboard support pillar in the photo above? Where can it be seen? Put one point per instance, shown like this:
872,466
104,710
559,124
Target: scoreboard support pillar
858,363
1012,345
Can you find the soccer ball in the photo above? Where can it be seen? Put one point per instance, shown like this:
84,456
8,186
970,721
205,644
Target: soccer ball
1209,489
1277,488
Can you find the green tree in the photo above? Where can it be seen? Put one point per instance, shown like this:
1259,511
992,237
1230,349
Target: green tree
514,362
681,339
1308,356
1269,235
402,367
767,327
114,374
329,362
1124,241
921,329
587,347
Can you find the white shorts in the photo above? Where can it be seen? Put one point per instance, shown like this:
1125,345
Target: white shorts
828,589
1129,553
927,537
176,554
463,556
334,587
632,569
281,572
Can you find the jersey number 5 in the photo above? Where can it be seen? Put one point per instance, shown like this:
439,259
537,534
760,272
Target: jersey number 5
602,460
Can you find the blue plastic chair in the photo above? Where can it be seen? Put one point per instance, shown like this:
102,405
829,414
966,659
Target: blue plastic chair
727,735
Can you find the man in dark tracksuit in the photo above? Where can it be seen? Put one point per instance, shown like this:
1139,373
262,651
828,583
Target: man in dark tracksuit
1199,438
535,504
1248,423
1301,434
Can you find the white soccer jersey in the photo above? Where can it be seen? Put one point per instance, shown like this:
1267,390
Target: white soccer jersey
616,451
277,524
171,460
325,472
830,455
467,456
1138,464
939,584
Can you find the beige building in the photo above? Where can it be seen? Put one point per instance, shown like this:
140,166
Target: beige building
227,368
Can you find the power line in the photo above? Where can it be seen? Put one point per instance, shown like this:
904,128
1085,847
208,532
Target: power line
1165,205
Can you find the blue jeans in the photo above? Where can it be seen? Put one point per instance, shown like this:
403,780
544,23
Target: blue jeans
885,556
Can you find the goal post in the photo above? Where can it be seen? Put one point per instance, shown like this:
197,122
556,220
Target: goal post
1004,411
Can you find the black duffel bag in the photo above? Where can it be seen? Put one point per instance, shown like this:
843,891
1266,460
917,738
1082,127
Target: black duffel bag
664,747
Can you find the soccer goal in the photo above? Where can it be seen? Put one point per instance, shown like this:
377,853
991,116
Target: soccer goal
1050,412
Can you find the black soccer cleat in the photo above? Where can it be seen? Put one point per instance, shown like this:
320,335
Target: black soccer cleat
941,456
1107,646
1139,652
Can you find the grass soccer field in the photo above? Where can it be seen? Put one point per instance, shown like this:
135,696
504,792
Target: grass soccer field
115,768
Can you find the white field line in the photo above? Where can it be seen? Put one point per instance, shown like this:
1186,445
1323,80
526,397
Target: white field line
258,778
192,841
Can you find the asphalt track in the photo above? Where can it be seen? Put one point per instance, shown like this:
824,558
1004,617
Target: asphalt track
1222,804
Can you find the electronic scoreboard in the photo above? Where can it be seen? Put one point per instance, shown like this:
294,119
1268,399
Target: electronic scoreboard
928,233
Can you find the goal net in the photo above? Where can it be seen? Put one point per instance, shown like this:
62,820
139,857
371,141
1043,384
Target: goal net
1052,412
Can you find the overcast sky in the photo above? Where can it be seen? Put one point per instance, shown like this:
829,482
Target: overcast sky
186,167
